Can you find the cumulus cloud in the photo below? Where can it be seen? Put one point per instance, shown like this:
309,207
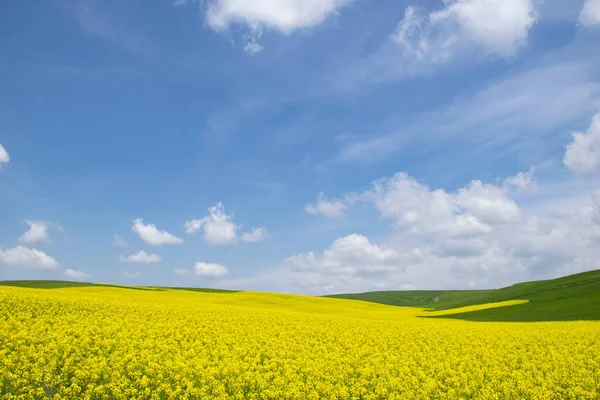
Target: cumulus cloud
117,241
37,233
77,275
210,270
27,258
328,207
151,235
218,228
488,203
130,275
4,157
350,255
498,27
281,15
257,234
475,236
590,14
141,257
596,201
470,211
582,156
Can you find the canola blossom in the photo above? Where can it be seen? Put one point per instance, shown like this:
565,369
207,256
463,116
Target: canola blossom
477,307
113,343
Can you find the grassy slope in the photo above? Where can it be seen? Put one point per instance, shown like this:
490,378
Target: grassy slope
573,297
68,284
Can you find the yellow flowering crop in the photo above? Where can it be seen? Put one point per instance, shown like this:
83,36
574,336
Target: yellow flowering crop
111,343
477,307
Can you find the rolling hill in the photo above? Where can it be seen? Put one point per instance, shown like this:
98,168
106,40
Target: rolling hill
573,297
50,284
570,298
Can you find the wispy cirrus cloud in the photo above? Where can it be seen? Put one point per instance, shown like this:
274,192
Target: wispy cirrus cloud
109,26
537,100
117,241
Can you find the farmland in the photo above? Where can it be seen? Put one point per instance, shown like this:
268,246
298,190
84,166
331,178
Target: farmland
569,298
109,342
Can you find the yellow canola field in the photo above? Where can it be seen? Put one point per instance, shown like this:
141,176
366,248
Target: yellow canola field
477,307
110,343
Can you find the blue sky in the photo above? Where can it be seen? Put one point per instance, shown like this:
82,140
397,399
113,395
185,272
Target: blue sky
309,146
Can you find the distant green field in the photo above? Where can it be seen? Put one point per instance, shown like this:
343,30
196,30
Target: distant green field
68,284
45,284
573,297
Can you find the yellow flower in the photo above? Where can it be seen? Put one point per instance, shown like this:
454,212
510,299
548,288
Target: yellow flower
113,343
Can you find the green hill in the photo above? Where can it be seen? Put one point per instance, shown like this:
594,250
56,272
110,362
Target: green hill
68,284
45,284
573,297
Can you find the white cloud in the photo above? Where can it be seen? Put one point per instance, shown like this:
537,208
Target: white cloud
350,255
151,235
27,258
218,228
523,180
210,270
282,15
475,236
37,233
499,27
4,157
77,275
117,241
590,14
461,247
488,203
596,201
253,47
257,234
131,275
141,257
328,207
181,271
582,156
470,211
